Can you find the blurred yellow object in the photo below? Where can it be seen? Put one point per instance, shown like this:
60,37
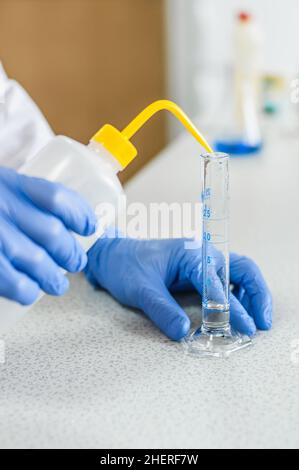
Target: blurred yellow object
118,142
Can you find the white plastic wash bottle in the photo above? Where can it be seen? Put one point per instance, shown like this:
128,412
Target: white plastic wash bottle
92,172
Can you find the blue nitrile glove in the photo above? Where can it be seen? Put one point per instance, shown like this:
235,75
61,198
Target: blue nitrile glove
142,273
36,217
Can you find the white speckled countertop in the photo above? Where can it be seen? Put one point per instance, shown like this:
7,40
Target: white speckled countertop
82,371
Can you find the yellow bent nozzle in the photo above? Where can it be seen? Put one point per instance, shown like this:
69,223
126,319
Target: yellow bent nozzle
118,143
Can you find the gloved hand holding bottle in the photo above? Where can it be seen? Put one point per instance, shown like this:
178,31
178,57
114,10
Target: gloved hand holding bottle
144,274
36,217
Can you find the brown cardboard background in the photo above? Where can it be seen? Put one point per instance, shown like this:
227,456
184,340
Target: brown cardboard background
88,62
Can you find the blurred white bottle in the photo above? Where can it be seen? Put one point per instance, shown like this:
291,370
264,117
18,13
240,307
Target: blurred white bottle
247,67
240,130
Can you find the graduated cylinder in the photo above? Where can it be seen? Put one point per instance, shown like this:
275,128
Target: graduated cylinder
215,203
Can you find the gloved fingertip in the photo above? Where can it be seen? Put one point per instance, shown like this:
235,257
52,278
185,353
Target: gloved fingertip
26,294
240,319
251,332
268,325
28,300
265,323
90,225
178,328
244,325
249,328
62,286
80,263
83,262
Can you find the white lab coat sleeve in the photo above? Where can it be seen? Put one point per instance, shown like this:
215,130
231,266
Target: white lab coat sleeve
23,128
